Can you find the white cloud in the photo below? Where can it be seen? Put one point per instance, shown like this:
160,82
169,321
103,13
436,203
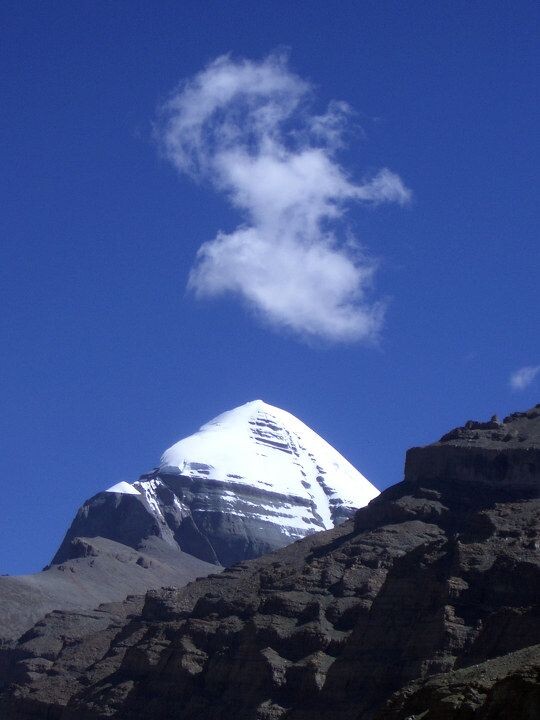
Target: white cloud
246,128
522,378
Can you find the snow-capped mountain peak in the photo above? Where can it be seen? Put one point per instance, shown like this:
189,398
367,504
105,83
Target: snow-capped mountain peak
251,480
264,447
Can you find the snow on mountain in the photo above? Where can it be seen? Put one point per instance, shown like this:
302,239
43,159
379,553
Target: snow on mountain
123,487
252,480
265,447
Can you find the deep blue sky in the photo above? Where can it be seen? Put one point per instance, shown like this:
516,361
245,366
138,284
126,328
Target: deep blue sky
105,360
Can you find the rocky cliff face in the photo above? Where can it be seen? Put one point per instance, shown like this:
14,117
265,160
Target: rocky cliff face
427,606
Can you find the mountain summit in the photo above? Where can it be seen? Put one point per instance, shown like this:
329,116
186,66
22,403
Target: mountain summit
271,451
249,481
425,606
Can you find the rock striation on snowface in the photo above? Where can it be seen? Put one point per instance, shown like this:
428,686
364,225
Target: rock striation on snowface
426,606
252,480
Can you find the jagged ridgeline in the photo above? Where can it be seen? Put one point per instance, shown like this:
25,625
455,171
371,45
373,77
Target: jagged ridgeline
425,606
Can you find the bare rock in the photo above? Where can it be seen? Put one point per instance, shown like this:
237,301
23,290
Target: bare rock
426,606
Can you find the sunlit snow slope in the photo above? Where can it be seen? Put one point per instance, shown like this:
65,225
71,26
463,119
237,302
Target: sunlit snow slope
267,448
251,480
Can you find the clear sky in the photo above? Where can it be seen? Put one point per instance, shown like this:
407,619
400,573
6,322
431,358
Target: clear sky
365,178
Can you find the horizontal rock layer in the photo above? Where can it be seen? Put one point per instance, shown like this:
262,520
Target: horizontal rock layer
426,606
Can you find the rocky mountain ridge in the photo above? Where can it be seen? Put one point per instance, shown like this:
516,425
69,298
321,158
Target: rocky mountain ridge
426,606
97,570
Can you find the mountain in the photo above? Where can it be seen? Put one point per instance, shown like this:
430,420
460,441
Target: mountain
100,570
425,606
251,480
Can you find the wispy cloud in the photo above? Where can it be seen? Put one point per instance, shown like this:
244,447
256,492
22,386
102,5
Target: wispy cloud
522,378
246,128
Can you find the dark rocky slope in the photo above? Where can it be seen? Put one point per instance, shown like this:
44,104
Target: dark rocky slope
426,606
94,570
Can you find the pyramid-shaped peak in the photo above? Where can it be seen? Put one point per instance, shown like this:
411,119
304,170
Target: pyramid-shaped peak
270,450
251,411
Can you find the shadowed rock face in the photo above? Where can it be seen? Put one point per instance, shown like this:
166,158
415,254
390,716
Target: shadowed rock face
188,514
96,570
427,605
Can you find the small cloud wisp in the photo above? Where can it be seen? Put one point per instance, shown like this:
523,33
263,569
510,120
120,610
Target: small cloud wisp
245,127
525,376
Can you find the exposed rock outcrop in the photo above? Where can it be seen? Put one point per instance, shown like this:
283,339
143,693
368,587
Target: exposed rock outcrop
426,606
95,570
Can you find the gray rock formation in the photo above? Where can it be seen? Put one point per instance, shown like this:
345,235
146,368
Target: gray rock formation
94,570
426,606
